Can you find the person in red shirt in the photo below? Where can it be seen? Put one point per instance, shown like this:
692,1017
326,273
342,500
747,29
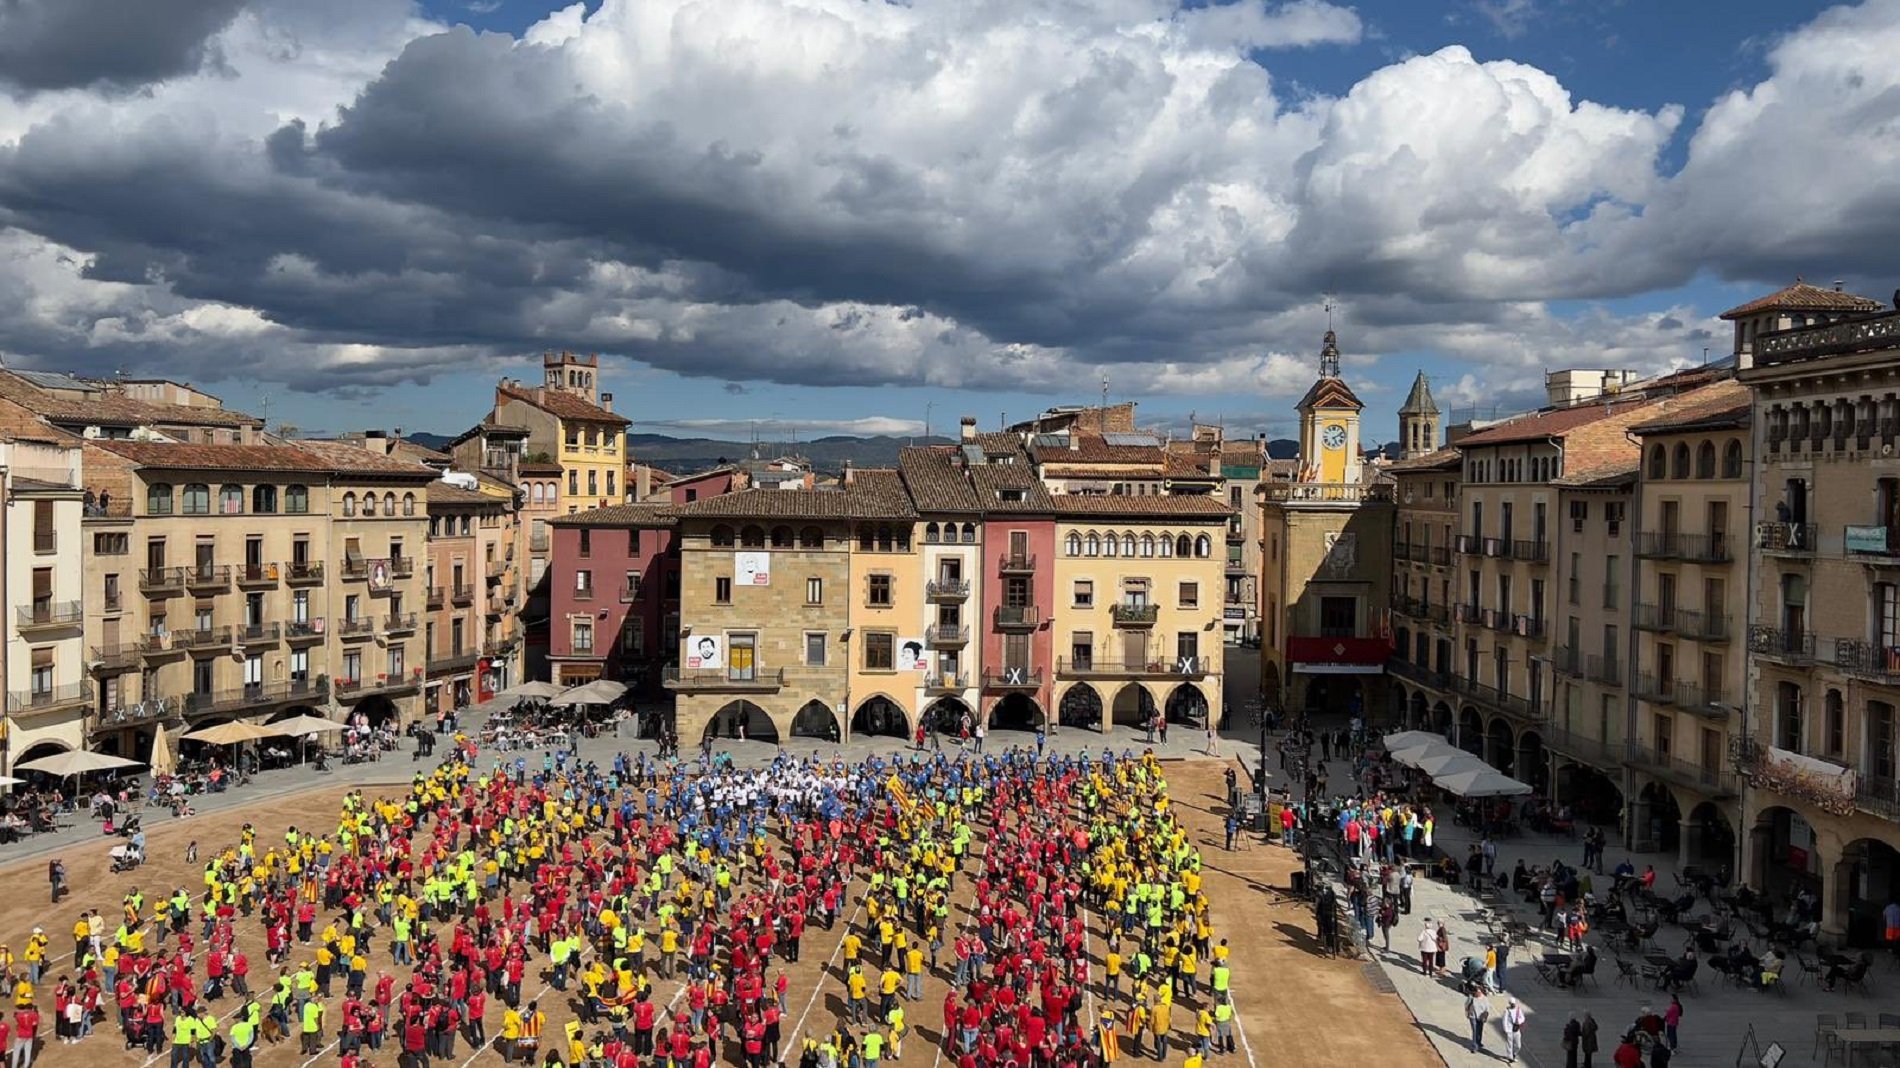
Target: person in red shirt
26,1032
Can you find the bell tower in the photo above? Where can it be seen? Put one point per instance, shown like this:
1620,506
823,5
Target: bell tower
1418,421
1329,423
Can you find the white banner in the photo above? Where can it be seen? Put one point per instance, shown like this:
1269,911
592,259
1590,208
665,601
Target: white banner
705,651
910,655
752,569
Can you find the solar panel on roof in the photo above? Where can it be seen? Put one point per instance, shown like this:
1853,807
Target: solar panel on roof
1050,441
54,380
1148,440
973,454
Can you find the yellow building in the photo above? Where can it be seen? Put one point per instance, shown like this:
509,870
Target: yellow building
889,631
572,424
1138,608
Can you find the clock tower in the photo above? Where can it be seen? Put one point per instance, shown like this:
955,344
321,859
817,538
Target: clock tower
1329,424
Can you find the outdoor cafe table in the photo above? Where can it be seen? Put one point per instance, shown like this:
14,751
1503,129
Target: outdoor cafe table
1857,1037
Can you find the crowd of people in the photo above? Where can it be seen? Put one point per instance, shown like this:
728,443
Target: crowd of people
649,913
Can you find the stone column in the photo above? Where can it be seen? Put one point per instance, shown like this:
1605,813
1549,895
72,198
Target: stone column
1837,890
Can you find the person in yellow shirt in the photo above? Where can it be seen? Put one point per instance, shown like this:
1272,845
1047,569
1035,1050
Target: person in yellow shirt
857,987
887,987
914,974
510,1034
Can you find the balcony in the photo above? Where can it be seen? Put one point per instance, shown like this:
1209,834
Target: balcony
399,623
939,636
208,639
1408,606
1438,613
255,697
1596,752
462,594
1420,674
360,627
1607,670
1711,702
1536,552
1870,660
1012,679
208,578
716,681
150,710
1236,536
946,590
946,683
356,689
498,605
259,633
538,543
1468,613
1791,646
162,581
125,656
1654,617
1566,661
154,646
1657,691
452,662
1236,567
1441,556
355,569
50,615
402,566
1499,700
257,576
1469,544
1526,626
498,647
1347,493
1702,626
309,630
1785,539
436,597
1719,781
52,699
1016,617
1012,564
111,601
1134,615
1494,619
304,573
1672,545
1098,667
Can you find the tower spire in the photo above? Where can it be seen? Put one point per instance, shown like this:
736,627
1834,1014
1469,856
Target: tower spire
1329,354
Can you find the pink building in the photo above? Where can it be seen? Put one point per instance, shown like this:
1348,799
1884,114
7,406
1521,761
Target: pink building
613,594
1018,577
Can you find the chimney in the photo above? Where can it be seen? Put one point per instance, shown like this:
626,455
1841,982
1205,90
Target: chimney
376,441
849,476
968,429
607,401
1838,284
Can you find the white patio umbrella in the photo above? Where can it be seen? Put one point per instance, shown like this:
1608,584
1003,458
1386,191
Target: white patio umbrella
305,725
1411,755
1439,765
1482,782
8,780
75,762
233,732
599,692
163,761
529,690
1410,740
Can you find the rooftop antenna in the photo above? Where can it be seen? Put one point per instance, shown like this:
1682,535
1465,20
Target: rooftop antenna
1104,391
1329,312
927,406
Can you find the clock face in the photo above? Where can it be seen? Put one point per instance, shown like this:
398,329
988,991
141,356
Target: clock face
1333,437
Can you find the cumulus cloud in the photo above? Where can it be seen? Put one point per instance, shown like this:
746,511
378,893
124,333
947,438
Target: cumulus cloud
979,194
806,428
65,44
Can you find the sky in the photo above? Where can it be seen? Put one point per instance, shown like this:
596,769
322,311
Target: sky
822,216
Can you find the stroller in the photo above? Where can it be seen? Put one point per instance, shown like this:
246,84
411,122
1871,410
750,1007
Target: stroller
126,857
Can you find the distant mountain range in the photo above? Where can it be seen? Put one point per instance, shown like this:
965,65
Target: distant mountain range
682,456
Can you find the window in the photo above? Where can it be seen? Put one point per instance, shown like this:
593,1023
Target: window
742,662
1705,460
1658,463
111,544
1203,546
1084,593
1789,712
197,499
811,538
297,500
231,500
369,504
409,504
722,590
633,636
1187,648
573,483
814,590
1576,578
587,542
593,482
814,647
1613,516
1073,545
880,651
352,666
722,535
1190,595
1579,513
631,591
1338,616
1094,547
610,483
349,504
1612,572
1834,740
158,499
583,584
264,500
1679,465
752,537
583,636
1111,547
1732,459
879,592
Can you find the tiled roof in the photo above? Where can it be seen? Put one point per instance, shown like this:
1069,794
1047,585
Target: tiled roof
1723,404
1188,467
934,476
536,467
1444,459
440,492
1176,506
1086,448
998,442
311,456
1419,401
872,494
111,408
993,481
1804,297
1330,393
564,405
349,459
722,469
1538,425
651,514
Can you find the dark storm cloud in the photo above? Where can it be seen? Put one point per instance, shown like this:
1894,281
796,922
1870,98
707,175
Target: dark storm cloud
117,44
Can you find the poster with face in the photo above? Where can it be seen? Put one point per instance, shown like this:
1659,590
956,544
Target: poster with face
705,651
752,569
910,655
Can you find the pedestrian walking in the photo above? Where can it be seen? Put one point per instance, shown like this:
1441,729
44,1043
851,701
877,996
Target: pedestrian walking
1477,1014
1672,1017
1513,1024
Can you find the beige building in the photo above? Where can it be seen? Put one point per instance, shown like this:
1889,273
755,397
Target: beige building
456,594
768,648
570,422
1138,608
1425,499
950,527
1243,466
45,675
1822,810
1326,570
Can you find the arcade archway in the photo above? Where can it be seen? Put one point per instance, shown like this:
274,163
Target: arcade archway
1786,858
376,710
945,715
1080,707
742,720
1440,720
1869,875
1016,712
1663,829
879,715
816,720
1415,711
1499,749
1187,704
1470,731
1532,767
1134,705
1710,838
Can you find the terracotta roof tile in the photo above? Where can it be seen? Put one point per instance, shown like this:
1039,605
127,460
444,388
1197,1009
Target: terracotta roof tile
1804,297
349,459
448,493
314,457
1086,448
1723,404
1445,459
1176,506
1011,487
565,405
934,476
1537,425
872,494
116,409
1189,467
651,514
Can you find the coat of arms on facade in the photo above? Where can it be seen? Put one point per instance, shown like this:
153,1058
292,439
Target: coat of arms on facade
1342,553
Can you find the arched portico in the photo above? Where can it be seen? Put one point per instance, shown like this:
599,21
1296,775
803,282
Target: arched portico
742,720
1134,705
879,715
1187,704
1080,706
816,720
1500,749
1016,712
